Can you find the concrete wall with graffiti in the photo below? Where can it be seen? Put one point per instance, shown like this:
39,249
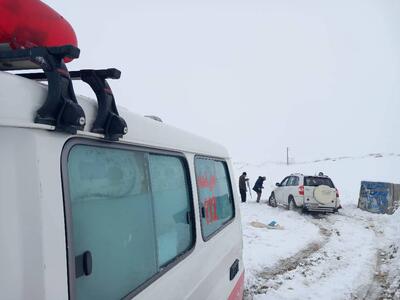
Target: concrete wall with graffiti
379,197
396,197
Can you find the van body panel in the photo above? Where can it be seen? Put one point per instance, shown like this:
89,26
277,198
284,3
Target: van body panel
20,217
32,216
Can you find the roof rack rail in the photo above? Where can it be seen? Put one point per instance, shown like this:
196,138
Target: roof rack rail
108,120
61,108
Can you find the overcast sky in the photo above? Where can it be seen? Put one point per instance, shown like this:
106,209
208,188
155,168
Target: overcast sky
322,77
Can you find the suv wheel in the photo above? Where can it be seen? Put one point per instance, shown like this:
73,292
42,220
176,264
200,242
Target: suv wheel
272,200
292,205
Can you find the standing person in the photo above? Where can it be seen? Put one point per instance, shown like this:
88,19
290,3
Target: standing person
258,186
242,186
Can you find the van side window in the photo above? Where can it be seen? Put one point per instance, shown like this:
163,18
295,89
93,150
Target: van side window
131,211
172,209
215,194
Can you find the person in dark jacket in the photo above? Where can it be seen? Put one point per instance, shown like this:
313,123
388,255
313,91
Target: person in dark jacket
258,186
242,186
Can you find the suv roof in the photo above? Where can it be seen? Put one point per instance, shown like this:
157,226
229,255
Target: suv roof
301,174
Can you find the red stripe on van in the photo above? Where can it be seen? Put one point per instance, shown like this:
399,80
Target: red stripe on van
237,292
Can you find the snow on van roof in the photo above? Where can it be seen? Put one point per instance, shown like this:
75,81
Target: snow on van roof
20,98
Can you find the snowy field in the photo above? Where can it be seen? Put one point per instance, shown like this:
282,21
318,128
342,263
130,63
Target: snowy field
349,255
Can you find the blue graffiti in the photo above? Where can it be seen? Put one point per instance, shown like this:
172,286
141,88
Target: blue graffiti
374,196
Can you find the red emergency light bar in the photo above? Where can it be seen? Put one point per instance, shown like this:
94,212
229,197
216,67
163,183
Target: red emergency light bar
31,23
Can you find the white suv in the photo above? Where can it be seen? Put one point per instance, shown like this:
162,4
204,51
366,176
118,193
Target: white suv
309,193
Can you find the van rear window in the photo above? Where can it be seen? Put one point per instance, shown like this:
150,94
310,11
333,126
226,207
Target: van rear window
131,211
317,181
215,195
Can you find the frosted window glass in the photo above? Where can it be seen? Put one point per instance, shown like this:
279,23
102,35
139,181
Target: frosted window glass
132,210
171,206
215,194
112,218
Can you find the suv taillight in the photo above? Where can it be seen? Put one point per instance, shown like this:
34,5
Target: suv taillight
337,193
301,190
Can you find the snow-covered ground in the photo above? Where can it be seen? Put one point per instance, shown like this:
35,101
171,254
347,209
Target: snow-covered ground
350,255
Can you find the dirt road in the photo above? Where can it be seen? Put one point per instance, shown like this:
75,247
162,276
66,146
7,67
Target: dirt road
354,258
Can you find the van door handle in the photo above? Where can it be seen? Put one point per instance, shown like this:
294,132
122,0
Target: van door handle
83,264
234,269
188,217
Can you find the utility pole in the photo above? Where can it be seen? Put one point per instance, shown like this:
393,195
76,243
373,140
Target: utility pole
287,155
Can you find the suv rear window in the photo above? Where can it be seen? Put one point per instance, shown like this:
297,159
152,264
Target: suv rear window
317,181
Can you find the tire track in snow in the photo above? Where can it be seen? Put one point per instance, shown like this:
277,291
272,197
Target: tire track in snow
378,287
373,289
322,264
381,286
286,265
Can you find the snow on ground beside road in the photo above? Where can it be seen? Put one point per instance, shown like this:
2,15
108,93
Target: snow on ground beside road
339,263
350,255
345,262
391,257
262,246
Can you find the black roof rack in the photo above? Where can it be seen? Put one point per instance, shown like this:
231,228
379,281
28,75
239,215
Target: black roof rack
108,121
61,108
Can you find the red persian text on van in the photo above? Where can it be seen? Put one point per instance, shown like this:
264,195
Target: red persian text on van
210,204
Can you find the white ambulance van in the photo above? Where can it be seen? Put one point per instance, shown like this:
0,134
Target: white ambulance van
97,203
